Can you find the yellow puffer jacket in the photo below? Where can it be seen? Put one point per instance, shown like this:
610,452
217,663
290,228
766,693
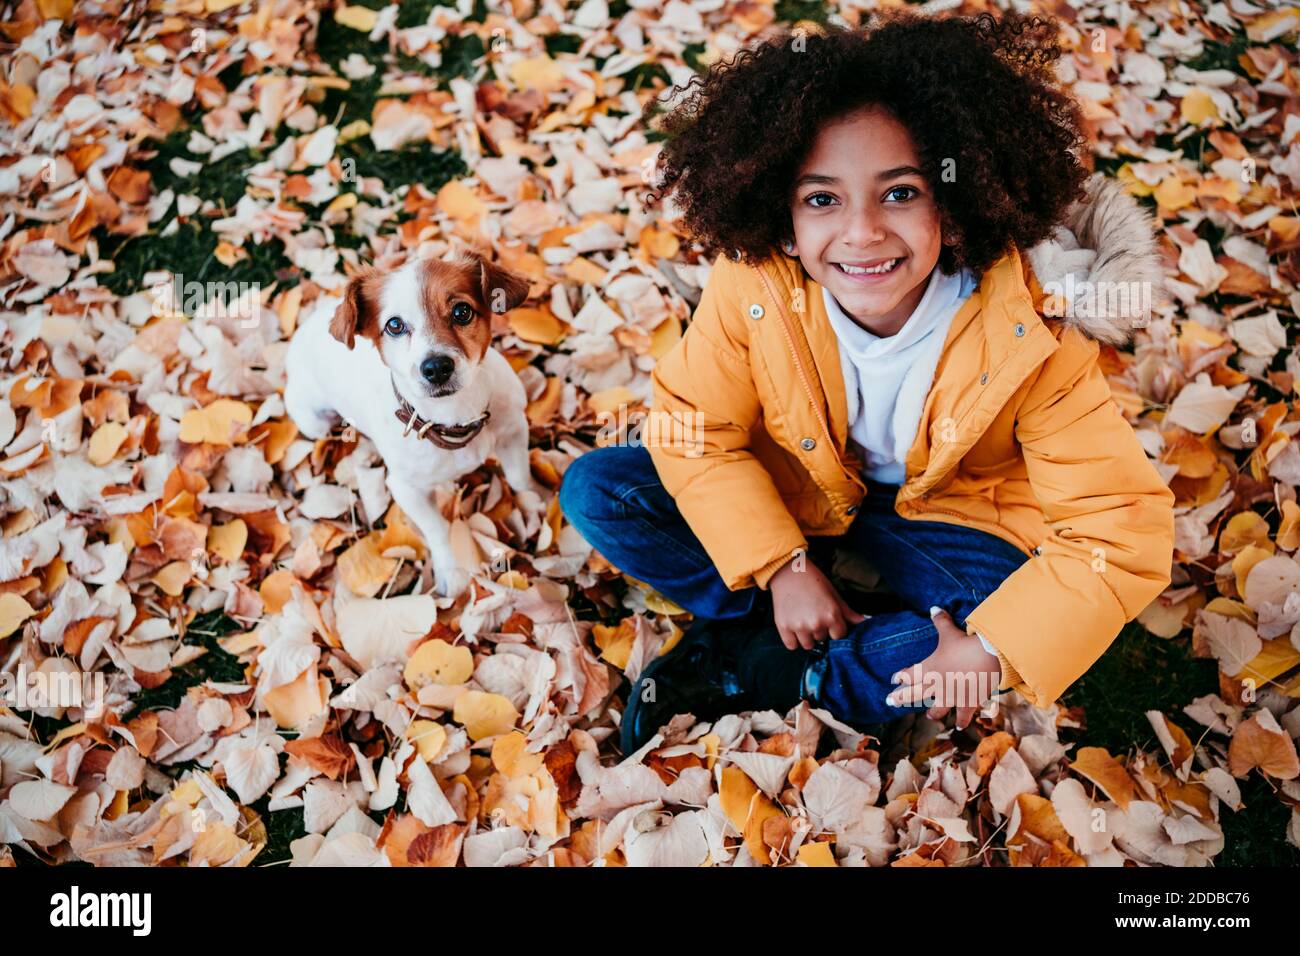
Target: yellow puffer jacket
1019,437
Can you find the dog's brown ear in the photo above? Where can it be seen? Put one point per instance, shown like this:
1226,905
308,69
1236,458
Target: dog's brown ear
356,312
500,289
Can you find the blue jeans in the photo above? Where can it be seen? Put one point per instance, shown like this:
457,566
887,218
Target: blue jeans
614,497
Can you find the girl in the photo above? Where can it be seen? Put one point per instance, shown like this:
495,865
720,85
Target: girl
875,363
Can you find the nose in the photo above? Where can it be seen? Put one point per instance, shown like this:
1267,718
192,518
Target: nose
866,227
437,368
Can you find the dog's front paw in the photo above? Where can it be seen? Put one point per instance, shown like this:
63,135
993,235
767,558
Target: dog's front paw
314,427
451,580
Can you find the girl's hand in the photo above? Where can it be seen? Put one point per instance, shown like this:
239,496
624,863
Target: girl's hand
960,673
807,606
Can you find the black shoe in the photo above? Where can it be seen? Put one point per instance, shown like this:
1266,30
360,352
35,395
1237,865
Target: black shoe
699,676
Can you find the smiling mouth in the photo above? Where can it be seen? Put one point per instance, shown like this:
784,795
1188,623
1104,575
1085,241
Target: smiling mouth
442,391
878,269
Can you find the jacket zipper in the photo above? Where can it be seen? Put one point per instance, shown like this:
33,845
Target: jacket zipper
794,353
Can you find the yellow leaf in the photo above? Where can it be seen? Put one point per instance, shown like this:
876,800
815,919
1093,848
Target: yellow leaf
514,579
1134,186
1230,608
1263,28
537,73
581,269
1285,228
674,638
215,844
536,325
1096,764
1250,556
13,611
615,643
437,662
459,201
543,408
358,18
511,758
817,854
227,540
216,6
484,715
428,737
1244,529
276,590
1275,657
660,243
363,569
609,399
662,605
173,577
1197,107
294,705
105,442
712,743
1288,533
341,203
746,807
215,424
1173,194
354,130
184,795
227,253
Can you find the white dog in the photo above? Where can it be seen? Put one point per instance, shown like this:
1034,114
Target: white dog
406,357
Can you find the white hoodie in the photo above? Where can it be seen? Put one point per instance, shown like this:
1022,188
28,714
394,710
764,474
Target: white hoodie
887,379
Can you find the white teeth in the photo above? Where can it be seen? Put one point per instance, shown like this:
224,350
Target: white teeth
873,271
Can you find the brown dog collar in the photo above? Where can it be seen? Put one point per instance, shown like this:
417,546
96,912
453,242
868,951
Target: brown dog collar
444,436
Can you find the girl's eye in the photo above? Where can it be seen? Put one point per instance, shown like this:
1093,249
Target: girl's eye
462,314
910,190
814,196
394,326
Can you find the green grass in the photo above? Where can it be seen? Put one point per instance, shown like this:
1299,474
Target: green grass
557,44
792,11
1222,56
216,665
282,828
190,250
416,163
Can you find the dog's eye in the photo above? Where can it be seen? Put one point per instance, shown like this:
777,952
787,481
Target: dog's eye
462,314
394,326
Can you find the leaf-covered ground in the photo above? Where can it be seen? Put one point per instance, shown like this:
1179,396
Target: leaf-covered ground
279,683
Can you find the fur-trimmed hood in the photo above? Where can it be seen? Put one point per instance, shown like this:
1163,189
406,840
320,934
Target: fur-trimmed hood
1103,263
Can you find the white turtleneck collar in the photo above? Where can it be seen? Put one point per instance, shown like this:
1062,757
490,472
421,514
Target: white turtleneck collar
887,378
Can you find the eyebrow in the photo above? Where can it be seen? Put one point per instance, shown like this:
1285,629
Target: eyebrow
809,178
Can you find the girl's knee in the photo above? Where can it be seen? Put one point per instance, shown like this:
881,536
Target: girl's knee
592,483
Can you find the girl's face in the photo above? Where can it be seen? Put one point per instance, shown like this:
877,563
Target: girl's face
860,201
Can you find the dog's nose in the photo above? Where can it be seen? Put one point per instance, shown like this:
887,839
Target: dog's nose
437,368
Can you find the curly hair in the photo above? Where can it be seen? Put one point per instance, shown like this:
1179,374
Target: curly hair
999,141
